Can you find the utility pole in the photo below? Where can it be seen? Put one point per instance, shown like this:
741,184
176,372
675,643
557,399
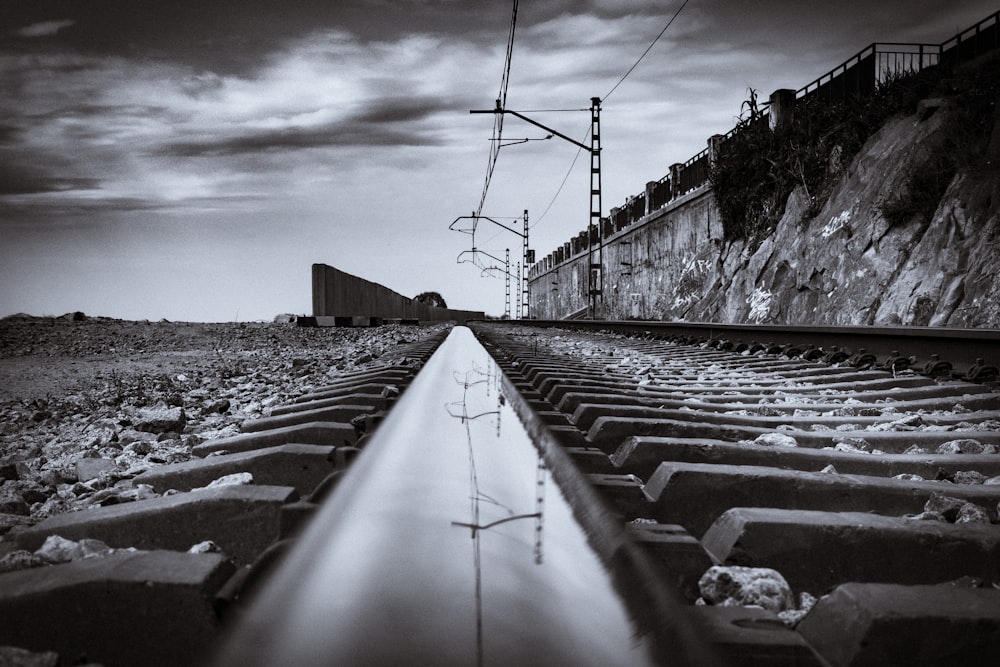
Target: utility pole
506,276
528,255
595,255
517,307
595,250
527,261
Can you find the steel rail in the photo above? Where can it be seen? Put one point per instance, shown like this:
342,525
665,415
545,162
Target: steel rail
463,535
963,348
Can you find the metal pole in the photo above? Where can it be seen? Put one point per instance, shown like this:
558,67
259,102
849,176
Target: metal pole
518,306
506,276
595,280
595,250
526,263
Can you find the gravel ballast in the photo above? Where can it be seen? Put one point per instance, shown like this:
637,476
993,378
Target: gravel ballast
87,404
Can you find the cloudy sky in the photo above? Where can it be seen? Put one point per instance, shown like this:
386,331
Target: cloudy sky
191,159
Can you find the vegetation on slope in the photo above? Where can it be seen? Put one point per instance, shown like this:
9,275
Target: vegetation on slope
757,168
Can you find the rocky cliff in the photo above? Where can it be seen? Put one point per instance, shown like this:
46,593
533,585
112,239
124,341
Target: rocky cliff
848,264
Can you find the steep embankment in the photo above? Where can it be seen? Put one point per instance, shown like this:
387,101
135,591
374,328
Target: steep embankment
850,263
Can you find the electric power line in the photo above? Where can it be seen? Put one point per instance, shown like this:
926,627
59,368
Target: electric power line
606,96
498,118
648,49
561,185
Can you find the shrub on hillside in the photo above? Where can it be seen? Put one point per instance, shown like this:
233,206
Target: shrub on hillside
756,168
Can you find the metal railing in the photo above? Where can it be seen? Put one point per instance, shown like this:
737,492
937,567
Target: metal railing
872,66
972,42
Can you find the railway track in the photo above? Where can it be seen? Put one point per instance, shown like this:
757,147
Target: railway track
564,497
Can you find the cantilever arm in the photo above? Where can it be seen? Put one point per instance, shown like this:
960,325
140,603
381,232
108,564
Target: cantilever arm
475,251
480,217
535,123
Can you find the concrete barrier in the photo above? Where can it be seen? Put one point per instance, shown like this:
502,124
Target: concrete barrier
340,299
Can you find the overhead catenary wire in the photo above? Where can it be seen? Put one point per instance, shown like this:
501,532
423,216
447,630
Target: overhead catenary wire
576,157
498,118
648,49
561,185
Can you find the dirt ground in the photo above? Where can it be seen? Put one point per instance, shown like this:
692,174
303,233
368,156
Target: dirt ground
56,357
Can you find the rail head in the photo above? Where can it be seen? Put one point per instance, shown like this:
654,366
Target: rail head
964,349
450,541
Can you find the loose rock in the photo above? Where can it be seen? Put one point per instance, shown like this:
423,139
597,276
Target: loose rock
161,420
20,560
775,440
57,549
88,468
234,479
965,446
971,513
855,444
946,506
12,656
115,390
746,586
969,477
206,547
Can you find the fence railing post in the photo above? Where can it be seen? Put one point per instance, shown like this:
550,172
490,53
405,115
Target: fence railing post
650,192
675,180
781,108
714,144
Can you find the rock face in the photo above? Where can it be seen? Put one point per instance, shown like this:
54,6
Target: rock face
847,265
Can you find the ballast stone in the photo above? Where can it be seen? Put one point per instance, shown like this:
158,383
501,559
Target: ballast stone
92,468
728,585
161,420
775,440
12,656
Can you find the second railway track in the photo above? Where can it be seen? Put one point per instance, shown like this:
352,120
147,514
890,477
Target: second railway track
873,491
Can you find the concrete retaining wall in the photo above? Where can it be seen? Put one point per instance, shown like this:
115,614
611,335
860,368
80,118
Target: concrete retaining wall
645,263
340,295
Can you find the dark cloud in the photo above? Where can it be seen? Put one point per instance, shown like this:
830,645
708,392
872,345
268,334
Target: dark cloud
295,139
853,24
386,124
7,132
404,109
83,111
227,37
46,211
20,179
